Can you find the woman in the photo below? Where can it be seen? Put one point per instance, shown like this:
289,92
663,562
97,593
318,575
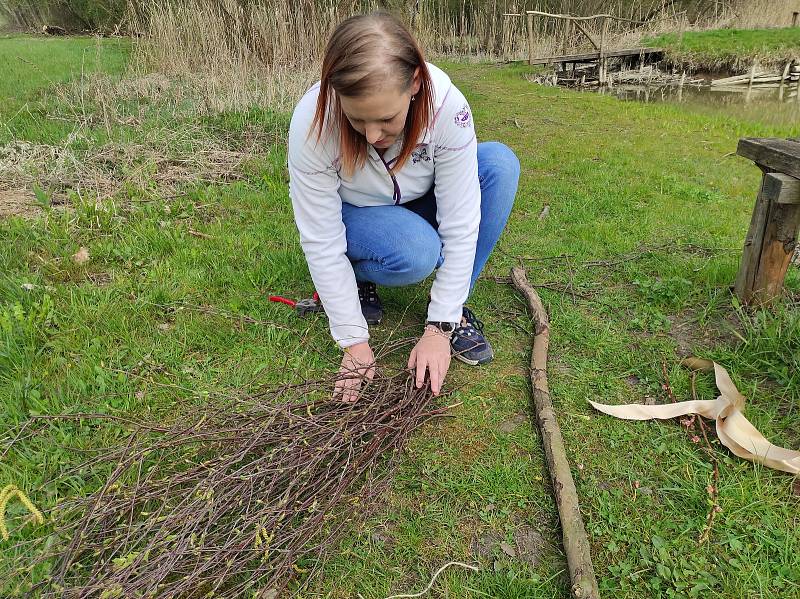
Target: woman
388,184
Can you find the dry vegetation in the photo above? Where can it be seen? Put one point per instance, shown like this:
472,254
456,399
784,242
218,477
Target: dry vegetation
195,58
268,54
264,488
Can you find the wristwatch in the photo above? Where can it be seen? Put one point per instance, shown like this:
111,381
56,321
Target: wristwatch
446,328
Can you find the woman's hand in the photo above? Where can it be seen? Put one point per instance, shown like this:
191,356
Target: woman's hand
358,363
432,354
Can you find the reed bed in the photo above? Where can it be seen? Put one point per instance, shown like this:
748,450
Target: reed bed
270,53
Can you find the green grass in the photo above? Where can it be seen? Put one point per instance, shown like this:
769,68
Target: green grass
653,182
32,68
731,48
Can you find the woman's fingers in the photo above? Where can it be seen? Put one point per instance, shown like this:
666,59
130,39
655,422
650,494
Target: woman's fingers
433,369
430,356
357,364
412,359
348,387
351,390
421,368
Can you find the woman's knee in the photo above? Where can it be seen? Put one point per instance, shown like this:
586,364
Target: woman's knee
497,162
414,261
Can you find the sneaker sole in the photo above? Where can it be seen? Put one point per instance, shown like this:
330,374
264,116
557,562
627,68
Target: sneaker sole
466,360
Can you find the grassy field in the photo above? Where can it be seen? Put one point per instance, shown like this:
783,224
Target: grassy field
734,49
33,66
648,209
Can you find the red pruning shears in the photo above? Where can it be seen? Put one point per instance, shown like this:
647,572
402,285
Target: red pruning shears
303,306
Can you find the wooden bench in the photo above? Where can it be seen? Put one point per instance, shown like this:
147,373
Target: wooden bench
772,237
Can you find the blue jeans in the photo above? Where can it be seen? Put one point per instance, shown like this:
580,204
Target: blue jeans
399,245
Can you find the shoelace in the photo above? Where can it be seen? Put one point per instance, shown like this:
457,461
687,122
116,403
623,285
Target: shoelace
368,292
473,324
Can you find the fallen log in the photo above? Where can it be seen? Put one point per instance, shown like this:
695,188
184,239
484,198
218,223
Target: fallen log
576,545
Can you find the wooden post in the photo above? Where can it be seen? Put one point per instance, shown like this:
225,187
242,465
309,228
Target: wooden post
529,18
783,80
567,35
795,18
602,58
775,223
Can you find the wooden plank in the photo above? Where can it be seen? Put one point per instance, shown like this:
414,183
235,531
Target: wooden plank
781,188
780,155
589,57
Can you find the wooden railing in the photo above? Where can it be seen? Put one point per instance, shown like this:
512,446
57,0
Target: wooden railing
580,24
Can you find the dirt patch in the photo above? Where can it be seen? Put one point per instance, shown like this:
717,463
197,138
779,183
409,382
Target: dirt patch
486,546
513,423
690,335
159,161
100,279
683,331
18,203
528,545
632,381
383,536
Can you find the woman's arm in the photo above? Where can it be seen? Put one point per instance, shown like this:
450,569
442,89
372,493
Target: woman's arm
313,187
458,205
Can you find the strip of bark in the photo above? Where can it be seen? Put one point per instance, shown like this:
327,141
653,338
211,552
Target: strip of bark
576,545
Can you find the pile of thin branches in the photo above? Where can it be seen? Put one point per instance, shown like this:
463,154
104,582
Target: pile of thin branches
242,499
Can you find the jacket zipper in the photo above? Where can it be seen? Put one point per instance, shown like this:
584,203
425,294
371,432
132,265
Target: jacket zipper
396,196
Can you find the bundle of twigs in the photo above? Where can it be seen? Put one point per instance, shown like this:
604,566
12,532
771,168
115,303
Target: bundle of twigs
238,500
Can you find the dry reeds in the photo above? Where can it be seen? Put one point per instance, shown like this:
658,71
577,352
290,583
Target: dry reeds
749,14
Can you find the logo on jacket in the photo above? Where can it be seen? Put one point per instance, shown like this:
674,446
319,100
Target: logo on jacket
463,118
420,155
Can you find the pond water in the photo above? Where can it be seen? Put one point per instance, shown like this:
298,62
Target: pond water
769,106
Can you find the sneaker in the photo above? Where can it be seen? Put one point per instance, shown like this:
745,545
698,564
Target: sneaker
371,306
468,343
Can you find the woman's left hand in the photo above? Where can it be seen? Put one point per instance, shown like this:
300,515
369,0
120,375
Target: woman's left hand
431,354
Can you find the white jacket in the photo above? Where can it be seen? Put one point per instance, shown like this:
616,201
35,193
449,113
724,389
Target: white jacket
446,156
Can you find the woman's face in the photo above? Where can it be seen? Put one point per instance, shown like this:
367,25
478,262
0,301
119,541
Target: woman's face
380,116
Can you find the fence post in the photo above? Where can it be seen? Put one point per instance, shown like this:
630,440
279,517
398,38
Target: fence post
567,35
530,37
602,58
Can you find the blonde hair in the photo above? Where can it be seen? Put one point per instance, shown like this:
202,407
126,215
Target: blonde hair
364,52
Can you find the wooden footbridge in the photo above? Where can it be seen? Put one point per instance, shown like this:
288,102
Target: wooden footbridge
597,35
632,53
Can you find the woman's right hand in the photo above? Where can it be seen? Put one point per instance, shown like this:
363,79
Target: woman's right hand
358,363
